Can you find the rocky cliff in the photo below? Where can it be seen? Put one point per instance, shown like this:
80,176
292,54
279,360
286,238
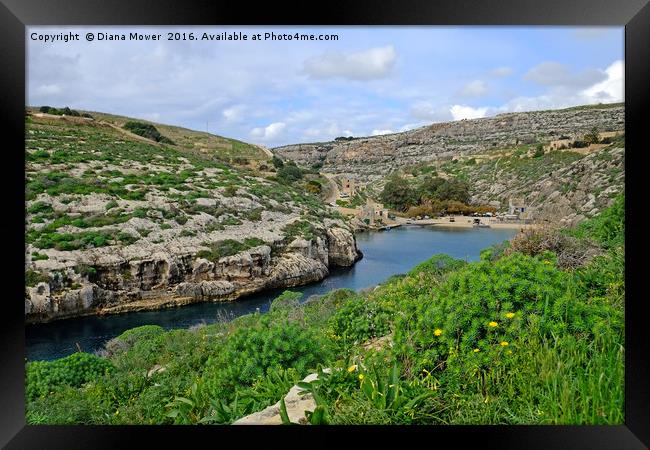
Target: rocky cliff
370,158
117,224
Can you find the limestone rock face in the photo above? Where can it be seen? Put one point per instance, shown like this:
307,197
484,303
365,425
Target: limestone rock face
165,278
205,290
342,247
371,158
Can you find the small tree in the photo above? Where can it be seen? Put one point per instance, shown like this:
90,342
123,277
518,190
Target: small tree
277,162
539,151
398,194
289,172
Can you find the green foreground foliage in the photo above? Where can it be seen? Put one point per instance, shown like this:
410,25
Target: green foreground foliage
512,339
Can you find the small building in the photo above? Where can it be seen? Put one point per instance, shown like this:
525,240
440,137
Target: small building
349,186
371,212
516,206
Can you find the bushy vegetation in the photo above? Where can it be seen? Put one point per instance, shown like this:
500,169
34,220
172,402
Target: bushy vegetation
431,195
45,377
146,130
512,339
228,247
289,172
63,111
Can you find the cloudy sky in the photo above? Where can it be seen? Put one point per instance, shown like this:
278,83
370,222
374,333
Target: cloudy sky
373,80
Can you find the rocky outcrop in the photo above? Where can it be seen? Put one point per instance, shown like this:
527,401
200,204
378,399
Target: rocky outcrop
168,279
341,247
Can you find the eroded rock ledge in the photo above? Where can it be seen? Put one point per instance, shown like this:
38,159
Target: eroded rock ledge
117,283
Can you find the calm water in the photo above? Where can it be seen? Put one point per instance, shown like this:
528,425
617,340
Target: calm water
385,253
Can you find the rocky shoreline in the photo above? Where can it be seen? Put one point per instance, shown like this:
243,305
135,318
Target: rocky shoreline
169,280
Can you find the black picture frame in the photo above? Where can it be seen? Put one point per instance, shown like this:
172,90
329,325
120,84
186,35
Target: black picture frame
15,15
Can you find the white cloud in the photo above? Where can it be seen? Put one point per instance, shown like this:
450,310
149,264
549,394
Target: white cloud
460,112
426,111
501,71
327,131
554,74
364,65
269,132
476,88
380,132
233,113
49,89
611,89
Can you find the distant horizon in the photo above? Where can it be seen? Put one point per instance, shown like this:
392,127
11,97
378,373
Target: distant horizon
347,81
315,142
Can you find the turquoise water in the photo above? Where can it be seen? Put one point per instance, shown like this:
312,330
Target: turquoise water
385,253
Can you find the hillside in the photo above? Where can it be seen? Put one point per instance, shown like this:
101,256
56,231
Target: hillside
117,222
496,156
191,140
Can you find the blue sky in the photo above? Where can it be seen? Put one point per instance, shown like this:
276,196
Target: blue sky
373,80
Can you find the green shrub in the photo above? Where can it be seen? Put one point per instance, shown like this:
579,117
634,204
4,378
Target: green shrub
32,277
146,130
289,173
40,207
608,228
74,241
228,247
44,377
361,319
249,352
438,265
39,256
299,228
286,301
486,304
230,191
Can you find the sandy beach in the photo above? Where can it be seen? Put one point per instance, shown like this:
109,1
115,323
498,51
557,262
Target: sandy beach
464,222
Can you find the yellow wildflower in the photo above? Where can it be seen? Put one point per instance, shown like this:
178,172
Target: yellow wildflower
493,324
361,377
510,315
476,350
503,343
437,332
509,352
352,368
